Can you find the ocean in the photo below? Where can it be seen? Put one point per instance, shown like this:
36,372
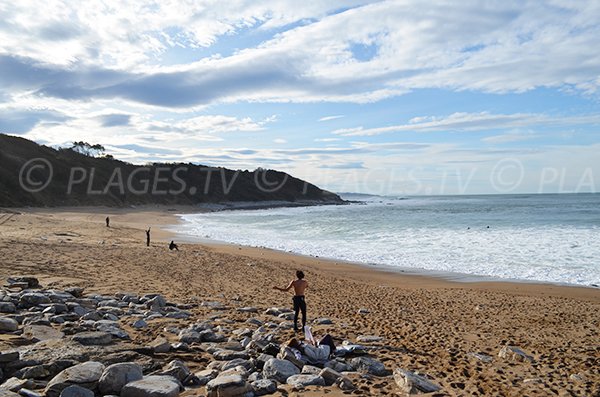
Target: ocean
548,237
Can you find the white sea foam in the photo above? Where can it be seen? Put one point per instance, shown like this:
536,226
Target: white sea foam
527,239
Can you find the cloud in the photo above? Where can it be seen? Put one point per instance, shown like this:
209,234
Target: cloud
461,122
513,136
327,118
19,121
210,124
114,120
81,52
344,166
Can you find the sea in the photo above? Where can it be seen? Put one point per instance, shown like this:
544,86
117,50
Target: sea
552,238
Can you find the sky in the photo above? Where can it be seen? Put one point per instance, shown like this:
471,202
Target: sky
381,97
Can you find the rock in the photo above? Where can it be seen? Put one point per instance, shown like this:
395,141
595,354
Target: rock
139,324
238,362
8,324
205,376
248,309
85,375
93,338
189,336
369,365
301,381
323,321
329,375
31,281
411,383
152,386
37,333
7,307
255,321
310,370
160,345
15,384
33,299
482,357
176,369
279,370
514,353
92,315
76,391
77,292
369,338
9,356
35,372
118,375
532,381
345,384
228,386
227,355
210,336
363,311
263,387
28,393
338,365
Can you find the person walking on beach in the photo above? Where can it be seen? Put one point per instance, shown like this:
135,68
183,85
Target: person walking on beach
299,286
148,237
107,221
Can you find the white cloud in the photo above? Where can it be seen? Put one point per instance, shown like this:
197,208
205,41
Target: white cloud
327,118
509,46
471,122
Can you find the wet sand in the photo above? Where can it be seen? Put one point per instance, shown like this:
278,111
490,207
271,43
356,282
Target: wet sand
430,325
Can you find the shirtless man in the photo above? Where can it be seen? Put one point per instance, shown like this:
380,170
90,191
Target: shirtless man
299,286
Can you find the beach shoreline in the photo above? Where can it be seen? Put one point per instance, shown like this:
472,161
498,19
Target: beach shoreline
164,218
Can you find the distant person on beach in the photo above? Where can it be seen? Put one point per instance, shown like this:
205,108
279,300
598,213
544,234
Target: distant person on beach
148,237
299,286
107,221
173,246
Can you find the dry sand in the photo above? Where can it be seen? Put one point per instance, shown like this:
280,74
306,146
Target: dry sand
428,324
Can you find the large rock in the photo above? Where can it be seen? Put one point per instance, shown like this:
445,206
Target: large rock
7,307
176,369
279,370
33,299
31,281
303,380
330,376
118,375
85,375
76,391
368,365
227,355
152,386
228,386
263,387
9,356
8,324
411,383
160,345
93,338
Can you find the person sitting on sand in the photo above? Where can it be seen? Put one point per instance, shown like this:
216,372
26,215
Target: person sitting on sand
299,286
173,246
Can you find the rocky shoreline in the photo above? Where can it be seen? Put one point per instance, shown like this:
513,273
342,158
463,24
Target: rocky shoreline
77,345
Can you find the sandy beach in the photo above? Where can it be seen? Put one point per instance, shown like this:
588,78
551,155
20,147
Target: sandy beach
428,325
